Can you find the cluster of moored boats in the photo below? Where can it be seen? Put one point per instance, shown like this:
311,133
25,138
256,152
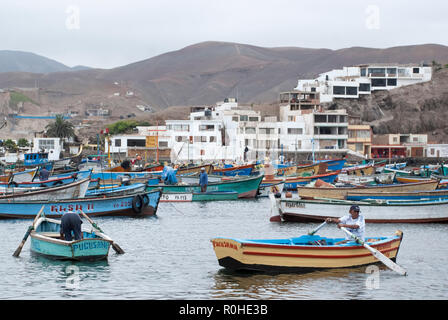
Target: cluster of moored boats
311,192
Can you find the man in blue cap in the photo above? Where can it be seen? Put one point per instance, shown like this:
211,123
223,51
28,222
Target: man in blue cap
354,222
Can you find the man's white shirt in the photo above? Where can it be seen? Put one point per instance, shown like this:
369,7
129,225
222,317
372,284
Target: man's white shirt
359,232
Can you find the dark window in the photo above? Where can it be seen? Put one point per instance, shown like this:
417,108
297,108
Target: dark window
363,72
391,82
378,82
339,90
118,142
392,71
313,89
415,70
364,87
320,118
352,91
136,143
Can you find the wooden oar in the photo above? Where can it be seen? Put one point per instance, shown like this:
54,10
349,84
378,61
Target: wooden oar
377,254
27,234
312,232
115,246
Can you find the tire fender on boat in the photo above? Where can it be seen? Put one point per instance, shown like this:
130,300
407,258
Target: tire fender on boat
137,203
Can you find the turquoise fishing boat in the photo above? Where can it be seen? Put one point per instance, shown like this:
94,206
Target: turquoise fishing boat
45,240
246,187
201,196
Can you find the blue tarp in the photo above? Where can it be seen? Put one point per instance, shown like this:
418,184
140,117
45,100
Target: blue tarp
169,175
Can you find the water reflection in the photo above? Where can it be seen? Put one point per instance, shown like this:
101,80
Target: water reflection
254,285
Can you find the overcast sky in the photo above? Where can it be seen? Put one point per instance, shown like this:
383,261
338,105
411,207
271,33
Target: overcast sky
111,33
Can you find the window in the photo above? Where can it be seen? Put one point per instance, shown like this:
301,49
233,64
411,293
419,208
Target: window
364,87
212,139
339,90
378,82
363,72
266,130
206,127
415,70
200,139
250,130
181,139
235,118
163,144
117,142
46,144
375,72
244,118
392,71
180,127
291,118
253,118
391,82
295,130
320,118
352,91
136,142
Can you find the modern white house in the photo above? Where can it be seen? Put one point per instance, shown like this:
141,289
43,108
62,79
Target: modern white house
353,82
53,146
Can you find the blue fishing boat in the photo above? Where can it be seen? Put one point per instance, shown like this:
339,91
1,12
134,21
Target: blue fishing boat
135,205
232,171
52,181
333,165
115,190
45,240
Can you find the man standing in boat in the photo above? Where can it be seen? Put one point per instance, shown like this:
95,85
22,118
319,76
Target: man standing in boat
354,222
71,221
203,180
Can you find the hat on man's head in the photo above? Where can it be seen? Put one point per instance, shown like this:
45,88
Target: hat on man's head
356,208
202,169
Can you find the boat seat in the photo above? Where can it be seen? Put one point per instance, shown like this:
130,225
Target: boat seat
50,234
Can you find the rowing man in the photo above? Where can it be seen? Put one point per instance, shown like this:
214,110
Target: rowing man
354,222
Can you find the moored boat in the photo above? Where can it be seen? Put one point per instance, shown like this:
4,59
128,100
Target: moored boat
341,192
411,195
412,179
301,254
135,205
244,170
198,196
246,187
374,211
291,183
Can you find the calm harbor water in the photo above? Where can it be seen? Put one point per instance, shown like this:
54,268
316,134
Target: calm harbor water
171,257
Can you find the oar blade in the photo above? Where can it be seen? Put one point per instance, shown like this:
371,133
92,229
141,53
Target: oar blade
389,263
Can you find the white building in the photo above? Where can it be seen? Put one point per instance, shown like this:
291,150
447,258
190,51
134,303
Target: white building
53,146
351,82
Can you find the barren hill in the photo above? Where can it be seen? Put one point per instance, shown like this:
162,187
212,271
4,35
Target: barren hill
202,74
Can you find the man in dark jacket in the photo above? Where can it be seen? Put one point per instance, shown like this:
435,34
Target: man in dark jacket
203,180
71,222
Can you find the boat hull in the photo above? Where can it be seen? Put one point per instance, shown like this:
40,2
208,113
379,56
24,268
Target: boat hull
297,210
233,171
341,193
291,183
202,196
246,187
287,255
127,205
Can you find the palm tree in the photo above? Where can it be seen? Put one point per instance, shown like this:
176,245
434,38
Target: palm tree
60,128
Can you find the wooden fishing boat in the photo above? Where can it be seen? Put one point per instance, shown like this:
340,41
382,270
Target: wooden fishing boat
115,190
438,194
363,170
199,196
412,179
246,187
244,170
135,205
301,254
76,189
397,172
397,166
374,211
45,240
193,170
52,181
302,170
341,192
291,183
382,178
19,176
333,164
